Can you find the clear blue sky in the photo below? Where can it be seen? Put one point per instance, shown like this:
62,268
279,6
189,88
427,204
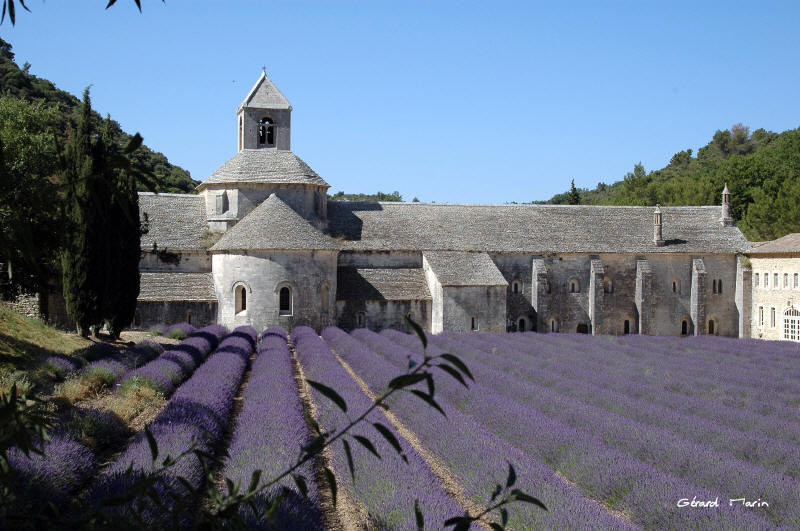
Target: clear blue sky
472,102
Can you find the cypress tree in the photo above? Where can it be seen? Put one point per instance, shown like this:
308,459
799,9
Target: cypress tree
83,257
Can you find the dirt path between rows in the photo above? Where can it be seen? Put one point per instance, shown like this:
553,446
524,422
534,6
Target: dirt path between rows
440,470
346,514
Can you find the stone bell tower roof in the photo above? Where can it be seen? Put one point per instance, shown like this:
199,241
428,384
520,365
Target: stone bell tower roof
265,95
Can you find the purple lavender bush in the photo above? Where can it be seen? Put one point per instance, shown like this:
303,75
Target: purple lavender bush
269,432
56,475
60,365
167,371
179,331
197,414
387,487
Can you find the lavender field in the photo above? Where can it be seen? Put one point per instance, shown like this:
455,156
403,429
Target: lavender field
608,432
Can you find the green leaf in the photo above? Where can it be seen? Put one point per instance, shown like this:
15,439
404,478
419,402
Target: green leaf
512,476
300,481
406,380
429,400
366,443
330,393
420,518
389,436
418,329
332,482
111,3
521,496
133,144
254,480
152,442
504,516
496,492
454,373
349,455
455,360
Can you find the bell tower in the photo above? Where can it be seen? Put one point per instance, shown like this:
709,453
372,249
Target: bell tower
264,117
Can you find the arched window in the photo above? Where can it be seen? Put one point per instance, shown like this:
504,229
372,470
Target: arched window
785,280
766,280
719,285
712,329
791,324
772,319
553,325
241,299
626,327
522,324
189,317
714,283
266,132
515,287
757,280
775,284
608,285
285,301
361,319
684,327
574,286
760,316
796,285
474,323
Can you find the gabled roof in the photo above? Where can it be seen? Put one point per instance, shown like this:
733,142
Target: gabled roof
268,166
196,287
265,95
458,268
402,284
536,229
787,244
176,222
273,225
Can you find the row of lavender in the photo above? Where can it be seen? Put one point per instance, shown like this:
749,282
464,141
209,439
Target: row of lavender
503,354
726,462
269,432
560,357
67,464
474,455
385,489
195,417
637,485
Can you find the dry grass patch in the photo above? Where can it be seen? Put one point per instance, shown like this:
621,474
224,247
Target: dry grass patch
84,385
135,402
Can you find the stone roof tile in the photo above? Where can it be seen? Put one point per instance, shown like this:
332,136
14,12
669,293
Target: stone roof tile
458,268
268,166
265,95
176,222
535,229
156,287
787,244
381,284
273,225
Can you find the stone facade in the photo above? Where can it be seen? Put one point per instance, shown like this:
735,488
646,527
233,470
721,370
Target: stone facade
276,253
775,289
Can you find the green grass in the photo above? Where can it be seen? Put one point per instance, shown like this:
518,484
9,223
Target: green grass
26,342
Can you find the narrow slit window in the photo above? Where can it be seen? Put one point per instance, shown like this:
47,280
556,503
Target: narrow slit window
285,301
786,280
241,299
758,280
711,327
684,327
719,285
626,327
775,281
474,323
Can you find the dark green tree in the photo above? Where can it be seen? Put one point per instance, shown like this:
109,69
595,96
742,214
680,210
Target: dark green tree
84,261
574,194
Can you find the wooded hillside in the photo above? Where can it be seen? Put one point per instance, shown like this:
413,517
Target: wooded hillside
762,170
16,82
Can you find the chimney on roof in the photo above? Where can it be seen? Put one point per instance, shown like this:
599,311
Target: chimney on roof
725,219
657,236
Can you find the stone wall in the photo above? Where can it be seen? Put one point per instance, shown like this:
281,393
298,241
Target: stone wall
197,314
378,315
517,268
27,305
487,304
770,297
263,274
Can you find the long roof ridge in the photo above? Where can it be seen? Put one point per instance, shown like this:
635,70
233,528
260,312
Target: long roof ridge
515,205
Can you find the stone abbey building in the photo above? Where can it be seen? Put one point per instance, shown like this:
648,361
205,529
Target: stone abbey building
260,244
